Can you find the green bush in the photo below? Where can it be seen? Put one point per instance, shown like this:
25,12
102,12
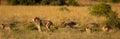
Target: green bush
113,20
73,2
100,10
106,11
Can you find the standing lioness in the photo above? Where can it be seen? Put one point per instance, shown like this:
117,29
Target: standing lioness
39,22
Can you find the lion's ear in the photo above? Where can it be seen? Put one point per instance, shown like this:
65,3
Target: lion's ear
2,25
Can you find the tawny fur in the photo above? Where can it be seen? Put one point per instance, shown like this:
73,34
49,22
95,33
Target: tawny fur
107,28
6,27
69,24
91,25
39,22
88,30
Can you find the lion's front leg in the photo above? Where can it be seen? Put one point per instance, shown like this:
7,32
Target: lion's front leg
48,26
39,28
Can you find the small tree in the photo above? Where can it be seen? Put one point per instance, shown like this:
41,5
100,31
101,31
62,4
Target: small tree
106,11
100,10
112,20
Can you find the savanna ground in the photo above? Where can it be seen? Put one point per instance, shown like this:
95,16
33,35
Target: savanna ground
22,17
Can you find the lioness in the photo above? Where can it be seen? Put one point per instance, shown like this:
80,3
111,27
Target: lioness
91,26
6,27
69,24
106,28
39,22
88,29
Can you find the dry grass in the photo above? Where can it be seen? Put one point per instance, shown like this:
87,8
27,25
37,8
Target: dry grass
53,13
22,15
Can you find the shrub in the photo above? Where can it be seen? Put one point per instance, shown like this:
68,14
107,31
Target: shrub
113,20
100,10
73,2
106,11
